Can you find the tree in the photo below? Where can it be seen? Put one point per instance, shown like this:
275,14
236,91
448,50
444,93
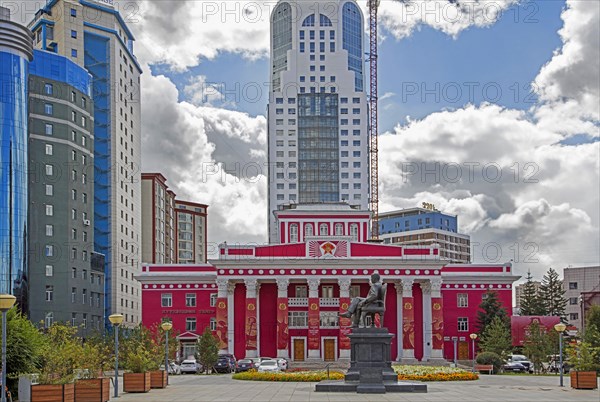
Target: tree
490,308
592,327
208,349
496,338
552,295
531,304
538,344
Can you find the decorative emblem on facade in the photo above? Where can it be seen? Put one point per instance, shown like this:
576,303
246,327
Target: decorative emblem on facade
314,307
282,306
436,306
345,306
222,305
408,306
327,248
251,307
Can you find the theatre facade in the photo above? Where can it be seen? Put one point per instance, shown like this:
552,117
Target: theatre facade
284,299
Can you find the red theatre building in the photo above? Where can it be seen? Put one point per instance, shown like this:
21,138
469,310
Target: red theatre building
284,299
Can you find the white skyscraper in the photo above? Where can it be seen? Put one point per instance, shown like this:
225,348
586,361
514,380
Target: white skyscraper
94,35
317,112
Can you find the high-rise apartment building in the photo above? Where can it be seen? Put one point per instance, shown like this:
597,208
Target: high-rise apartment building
93,35
174,231
582,290
66,280
424,227
15,53
317,112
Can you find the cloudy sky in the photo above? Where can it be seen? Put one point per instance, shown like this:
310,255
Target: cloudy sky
489,109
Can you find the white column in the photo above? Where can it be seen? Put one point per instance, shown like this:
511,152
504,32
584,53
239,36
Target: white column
230,317
282,292
222,293
344,283
258,318
313,292
436,291
398,286
251,293
427,328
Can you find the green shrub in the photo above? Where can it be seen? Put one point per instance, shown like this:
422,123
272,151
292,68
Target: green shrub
490,358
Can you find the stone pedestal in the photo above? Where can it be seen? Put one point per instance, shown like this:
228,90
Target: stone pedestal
370,369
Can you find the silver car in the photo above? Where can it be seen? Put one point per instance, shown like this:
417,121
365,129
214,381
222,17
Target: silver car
189,366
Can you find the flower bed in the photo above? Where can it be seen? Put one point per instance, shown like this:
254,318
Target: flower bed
300,376
430,373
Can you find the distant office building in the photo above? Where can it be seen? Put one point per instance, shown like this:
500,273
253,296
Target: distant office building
94,36
317,112
67,283
424,227
191,232
582,290
15,54
174,231
519,292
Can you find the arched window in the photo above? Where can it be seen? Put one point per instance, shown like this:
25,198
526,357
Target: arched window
323,230
294,233
324,20
339,229
309,21
308,230
354,231
281,31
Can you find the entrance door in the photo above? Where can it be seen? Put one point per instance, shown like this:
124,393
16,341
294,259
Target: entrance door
299,350
329,353
463,350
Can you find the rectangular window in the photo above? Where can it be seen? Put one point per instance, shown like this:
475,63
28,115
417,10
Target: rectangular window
301,291
73,34
49,189
190,300
572,285
74,273
190,324
213,299
327,292
166,300
573,316
298,319
301,47
332,46
73,13
49,129
329,319
48,89
49,293
49,270
463,324
573,301
354,291
213,324
73,52
49,250
84,296
462,300
49,210
49,230
48,109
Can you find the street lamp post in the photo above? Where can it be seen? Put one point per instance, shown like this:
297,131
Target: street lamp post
116,320
560,328
6,303
166,326
473,337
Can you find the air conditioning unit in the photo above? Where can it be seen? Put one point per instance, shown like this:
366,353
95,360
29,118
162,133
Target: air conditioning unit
86,222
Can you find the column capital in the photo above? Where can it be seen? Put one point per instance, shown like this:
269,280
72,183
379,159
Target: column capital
251,288
407,285
344,284
222,284
230,288
398,287
282,286
436,286
313,287
425,287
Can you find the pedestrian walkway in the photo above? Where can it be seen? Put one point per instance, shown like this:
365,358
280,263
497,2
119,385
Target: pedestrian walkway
488,388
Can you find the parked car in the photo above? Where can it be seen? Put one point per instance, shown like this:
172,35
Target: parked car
523,360
174,368
231,358
553,365
269,365
515,367
245,365
224,365
283,363
259,360
190,366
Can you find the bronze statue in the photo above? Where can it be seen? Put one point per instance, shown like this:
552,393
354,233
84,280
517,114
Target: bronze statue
373,304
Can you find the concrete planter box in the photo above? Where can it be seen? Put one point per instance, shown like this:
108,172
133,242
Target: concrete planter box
53,393
92,390
584,379
136,382
158,379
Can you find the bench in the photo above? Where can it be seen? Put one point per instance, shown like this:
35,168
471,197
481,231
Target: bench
485,367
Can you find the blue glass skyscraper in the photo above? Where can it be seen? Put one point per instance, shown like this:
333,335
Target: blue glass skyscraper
16,51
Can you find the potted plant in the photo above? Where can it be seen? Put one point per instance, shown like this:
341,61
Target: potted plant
92,386
139,362
60,358
584,362
157,340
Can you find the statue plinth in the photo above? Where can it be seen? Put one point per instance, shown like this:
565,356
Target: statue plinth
370,369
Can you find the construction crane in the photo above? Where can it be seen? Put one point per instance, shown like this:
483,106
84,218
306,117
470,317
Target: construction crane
373,139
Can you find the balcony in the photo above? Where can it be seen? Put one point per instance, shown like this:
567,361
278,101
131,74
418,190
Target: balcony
329,302
298,302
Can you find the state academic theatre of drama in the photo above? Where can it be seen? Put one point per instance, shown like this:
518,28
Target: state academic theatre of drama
284,299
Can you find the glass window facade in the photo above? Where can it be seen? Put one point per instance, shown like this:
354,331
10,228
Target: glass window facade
352,22
318,147
281,42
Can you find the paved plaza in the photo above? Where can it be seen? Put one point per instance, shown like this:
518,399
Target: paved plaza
487,388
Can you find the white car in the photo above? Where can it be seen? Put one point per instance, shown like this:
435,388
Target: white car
173,368
268,365
189,366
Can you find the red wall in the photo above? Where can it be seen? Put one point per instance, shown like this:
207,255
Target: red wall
390,320
268,319
418,303
239,319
